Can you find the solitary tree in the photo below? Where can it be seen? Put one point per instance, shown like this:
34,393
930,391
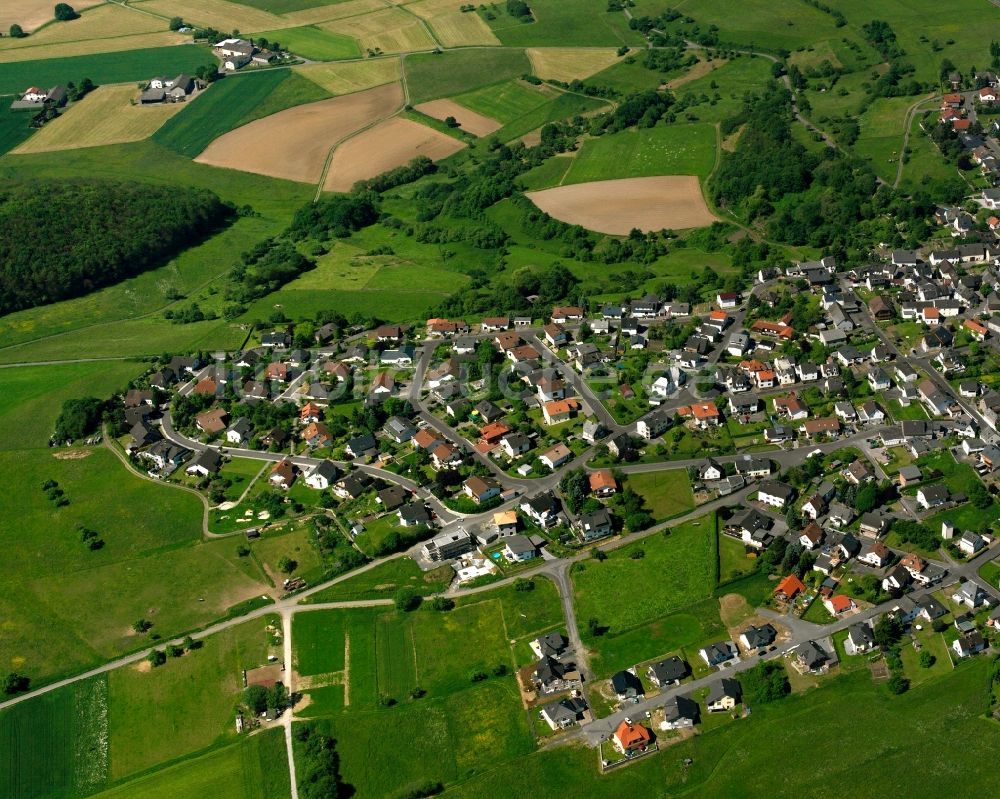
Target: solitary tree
176,23
15,683
17,32
406,600
64,12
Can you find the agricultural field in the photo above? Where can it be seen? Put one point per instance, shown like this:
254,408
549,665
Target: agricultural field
666,493
219,109
293,91
106,21
14,126
506,101
570,63
31,14
313,43
430,77
253,768
107,115
452,27
352,77
470,121
121,67
219,14
294,144
667,150
618,206
387,31
394,142
586,23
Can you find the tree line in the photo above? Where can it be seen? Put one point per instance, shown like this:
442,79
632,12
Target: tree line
66,238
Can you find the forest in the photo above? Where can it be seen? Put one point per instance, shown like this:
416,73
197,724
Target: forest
63,239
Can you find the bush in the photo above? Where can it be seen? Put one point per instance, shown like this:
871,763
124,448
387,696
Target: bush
443,603
523,584
15,683
157,657
478,676
175,651
898,684
765,682
926,660
79,418
255,698
406,600
17,32
598,554
421,791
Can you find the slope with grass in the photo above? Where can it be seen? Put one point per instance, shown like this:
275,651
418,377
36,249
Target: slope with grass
312,43
585,23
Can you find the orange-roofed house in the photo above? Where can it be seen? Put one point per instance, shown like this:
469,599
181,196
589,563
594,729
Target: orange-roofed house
977,329
705,414
424,439
789,588
838,604
765,378
493,432
562,314
603,483
752,366
206,385
932,316
951,101
316,434
310,412
993,222
559,411
960,125
630,738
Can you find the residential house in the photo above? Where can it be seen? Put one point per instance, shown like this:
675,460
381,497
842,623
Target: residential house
719,653
756,638
679,712
666,673
594,525
543,509
481,489
413,515
626,685
603,483
630,738
519,548
556,456
723,695
775,494
205,463
564,712
860,639
282,474
322,475
360,445
811,657
789,588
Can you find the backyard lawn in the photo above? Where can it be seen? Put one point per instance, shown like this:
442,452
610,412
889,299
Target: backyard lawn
666,493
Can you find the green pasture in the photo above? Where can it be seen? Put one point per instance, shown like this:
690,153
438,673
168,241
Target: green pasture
14,125
433,75
118,67
663,150
315,44
504,102
382,581
666,493
585,23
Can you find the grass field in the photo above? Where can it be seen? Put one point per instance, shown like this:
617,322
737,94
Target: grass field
585,23
295,90
382,582
881,139
676,571
668,150
133,65
507,101
57,744
732,760
220,109
14,126
253,768
732,81
352,77
446,74
733,561
666,493
116,46
314,43
184,706
389,30
106,116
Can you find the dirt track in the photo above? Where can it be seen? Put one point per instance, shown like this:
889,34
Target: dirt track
617,206
387,145
294,144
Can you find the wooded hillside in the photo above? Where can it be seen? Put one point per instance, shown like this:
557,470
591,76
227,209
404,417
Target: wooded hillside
62,239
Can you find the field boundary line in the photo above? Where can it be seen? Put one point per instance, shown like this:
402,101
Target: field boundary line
347,667
342,140
421,20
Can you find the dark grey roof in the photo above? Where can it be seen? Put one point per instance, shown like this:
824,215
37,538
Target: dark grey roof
673,668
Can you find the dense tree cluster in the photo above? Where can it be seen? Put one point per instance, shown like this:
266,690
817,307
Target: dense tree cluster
417,168
338,215
765,682
62,239
319,765
79,418
266,268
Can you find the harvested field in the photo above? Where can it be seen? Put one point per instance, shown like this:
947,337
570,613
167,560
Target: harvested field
477,124
106,116
106,22
387,145
29,14
699,70
218,14
54,50
350,8
355,76
389,30
617,206
453,28
294,144
570,63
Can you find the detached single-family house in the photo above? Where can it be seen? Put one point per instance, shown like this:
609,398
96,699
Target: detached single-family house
665,673
719,653
775,494
723,695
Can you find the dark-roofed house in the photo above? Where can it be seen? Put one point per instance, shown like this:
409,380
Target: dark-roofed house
392,498
810,656
724,694
860,639
564,712
550,645
754,638
206,462
413,515
626,685
718,653
667,672
680,712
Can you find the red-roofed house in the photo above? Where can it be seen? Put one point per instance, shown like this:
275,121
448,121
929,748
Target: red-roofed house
960,124
789,588
705,414
977,330
559,411
838,603
603,483
629,737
